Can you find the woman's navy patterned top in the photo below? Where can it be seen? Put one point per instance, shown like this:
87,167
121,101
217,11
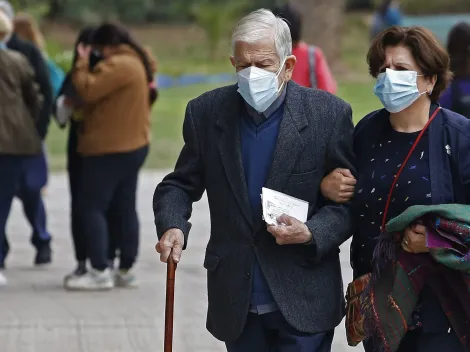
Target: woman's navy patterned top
377,167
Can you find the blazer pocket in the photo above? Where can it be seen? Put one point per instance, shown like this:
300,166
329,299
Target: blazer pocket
211,261
304,177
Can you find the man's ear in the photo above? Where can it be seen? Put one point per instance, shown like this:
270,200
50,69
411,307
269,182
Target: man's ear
232,60
289,67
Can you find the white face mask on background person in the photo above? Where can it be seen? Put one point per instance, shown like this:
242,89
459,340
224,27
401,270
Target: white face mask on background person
397,90
259,88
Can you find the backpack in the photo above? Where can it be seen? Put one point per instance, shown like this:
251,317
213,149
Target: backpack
460,100
312,63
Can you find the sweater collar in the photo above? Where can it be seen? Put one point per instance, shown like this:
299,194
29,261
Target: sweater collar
269,111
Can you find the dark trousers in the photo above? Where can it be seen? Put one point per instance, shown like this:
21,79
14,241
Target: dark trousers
271,333
32,181
74,168
108,185
10,172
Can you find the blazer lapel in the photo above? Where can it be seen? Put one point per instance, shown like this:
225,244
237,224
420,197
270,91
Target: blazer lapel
289,144
230,152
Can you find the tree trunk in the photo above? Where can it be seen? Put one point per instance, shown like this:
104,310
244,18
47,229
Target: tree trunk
322,25
55,9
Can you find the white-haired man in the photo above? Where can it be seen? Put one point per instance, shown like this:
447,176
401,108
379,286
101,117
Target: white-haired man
270,288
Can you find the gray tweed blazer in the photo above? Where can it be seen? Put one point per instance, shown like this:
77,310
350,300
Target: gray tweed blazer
314,138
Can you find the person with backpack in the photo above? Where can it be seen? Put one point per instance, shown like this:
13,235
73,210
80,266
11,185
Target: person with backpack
457,96
311,69
387,15
20,103
34,174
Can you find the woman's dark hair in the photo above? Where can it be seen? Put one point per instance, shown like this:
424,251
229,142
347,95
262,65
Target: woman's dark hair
293,18
84,37
428,53
383,7
458,47
113,34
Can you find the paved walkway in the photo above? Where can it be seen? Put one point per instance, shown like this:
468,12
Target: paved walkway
37,315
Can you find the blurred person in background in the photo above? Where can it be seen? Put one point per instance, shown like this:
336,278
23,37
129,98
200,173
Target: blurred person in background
388,14
114,142
311,69
457,96
20,104
34,175
69,112
26,27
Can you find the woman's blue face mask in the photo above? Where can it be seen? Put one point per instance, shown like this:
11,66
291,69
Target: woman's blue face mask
397,90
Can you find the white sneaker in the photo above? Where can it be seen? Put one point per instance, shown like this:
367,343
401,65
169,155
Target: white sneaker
3,279
79,271
93,280
125,279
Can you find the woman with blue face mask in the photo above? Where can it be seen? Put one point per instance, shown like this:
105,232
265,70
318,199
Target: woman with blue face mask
412,70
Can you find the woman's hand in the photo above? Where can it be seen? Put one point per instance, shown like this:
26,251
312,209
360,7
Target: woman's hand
338,186
83,50
414,239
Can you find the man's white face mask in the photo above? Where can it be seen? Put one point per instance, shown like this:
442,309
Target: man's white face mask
259,87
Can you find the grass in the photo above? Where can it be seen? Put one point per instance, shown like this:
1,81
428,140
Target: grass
181,51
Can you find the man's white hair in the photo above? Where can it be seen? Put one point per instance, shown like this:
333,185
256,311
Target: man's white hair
263,24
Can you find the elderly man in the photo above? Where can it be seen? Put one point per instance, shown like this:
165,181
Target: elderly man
270,288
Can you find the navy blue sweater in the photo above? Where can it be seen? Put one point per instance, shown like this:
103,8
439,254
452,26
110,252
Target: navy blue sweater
257,146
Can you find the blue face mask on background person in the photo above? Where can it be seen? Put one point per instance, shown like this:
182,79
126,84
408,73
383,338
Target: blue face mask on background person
397,90
259,87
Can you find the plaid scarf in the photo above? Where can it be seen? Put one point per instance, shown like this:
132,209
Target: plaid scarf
398,277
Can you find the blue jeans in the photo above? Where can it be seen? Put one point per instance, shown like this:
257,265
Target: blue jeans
11,168
271,333
30,184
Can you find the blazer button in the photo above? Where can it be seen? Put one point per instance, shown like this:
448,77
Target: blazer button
256,242
247,275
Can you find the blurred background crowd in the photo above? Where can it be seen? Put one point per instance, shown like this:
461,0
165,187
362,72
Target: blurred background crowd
81,93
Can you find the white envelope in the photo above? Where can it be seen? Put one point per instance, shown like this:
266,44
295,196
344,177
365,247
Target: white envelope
276,203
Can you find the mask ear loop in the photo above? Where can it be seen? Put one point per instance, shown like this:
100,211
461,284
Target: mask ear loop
277,76
426,92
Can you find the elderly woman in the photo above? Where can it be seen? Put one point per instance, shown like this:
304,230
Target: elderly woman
412,70
117,95
19,138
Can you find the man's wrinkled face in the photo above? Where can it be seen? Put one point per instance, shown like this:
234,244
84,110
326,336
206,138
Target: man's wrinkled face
261,54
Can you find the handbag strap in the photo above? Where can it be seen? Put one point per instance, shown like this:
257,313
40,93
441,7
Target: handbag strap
402,167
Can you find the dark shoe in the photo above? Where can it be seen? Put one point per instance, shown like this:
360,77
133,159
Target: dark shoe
43,256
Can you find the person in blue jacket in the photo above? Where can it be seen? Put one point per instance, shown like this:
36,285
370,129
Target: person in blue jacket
412,70
387,15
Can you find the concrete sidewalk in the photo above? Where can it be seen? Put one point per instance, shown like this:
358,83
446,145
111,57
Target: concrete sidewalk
37,315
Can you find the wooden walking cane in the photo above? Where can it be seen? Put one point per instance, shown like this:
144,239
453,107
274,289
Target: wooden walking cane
170,303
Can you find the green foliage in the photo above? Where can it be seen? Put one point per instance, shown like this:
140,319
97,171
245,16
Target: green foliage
217,20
